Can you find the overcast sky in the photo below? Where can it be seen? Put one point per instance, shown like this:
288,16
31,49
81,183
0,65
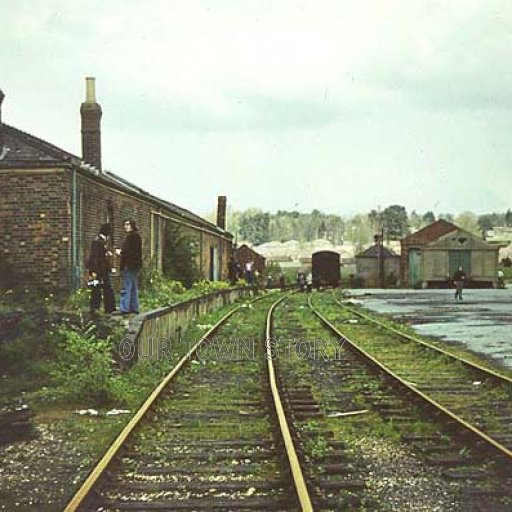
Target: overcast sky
336,105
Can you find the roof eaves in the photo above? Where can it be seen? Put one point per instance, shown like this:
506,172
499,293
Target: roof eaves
63,157
423,233
186,214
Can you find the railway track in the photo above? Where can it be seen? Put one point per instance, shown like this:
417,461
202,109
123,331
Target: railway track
333,400
478,398
332,482
240,424
209,438
472,403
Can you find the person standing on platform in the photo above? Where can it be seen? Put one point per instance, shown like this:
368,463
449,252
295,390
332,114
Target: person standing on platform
249,272
232,270
99,267
131,264
459,277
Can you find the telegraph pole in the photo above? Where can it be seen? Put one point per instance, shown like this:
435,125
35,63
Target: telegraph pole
381,259
379,239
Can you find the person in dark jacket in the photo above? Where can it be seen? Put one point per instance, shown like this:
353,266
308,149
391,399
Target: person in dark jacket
459,278
99,266
131,263
232,271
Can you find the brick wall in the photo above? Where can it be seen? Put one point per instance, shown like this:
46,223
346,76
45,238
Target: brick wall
35,215
100,203
36,219
245,254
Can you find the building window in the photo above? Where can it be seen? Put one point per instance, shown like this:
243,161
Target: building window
214,263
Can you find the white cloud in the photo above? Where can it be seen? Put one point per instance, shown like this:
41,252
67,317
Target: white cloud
389,102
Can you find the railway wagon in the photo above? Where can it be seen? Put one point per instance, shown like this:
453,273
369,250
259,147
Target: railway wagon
325,268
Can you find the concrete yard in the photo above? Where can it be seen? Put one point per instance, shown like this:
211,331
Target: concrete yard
482,321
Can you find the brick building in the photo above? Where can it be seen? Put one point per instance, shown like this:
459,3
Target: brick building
52,203
430,257
244,254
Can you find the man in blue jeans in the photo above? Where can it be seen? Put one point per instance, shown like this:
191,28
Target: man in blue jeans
131,263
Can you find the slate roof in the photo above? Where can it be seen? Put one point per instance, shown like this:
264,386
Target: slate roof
246,248
24,150
20,148
430,233
373,252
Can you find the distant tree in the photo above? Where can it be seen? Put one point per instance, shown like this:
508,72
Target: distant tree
448,217
359,231
375,220
254,226
395,221
280,227
335,228
322,231
179,256
416,220
508,218
486,222
429,218
490,220
312,226
469,221
305,227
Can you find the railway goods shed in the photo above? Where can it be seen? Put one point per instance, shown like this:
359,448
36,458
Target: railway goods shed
430,257
52,204
377,267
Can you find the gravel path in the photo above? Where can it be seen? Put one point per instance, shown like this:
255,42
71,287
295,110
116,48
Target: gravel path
401,481
41,473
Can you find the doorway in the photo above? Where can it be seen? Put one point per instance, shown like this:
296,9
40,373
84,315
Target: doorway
459,259
415,274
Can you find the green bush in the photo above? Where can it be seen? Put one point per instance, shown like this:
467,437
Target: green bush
180,255
78,301
84,366
157,291
84,371
203,287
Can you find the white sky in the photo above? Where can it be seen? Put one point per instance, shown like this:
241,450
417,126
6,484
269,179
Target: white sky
337,105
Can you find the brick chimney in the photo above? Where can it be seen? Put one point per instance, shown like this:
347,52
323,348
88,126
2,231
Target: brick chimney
221,212
90,112
2,96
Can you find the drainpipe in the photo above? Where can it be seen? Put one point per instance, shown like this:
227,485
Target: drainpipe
201,244
74,251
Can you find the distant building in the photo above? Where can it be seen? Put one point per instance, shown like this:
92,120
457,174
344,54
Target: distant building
52,204
430,257
244,254
501,234
378,267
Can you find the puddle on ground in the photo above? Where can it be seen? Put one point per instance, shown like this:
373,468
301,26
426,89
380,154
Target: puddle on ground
481,321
